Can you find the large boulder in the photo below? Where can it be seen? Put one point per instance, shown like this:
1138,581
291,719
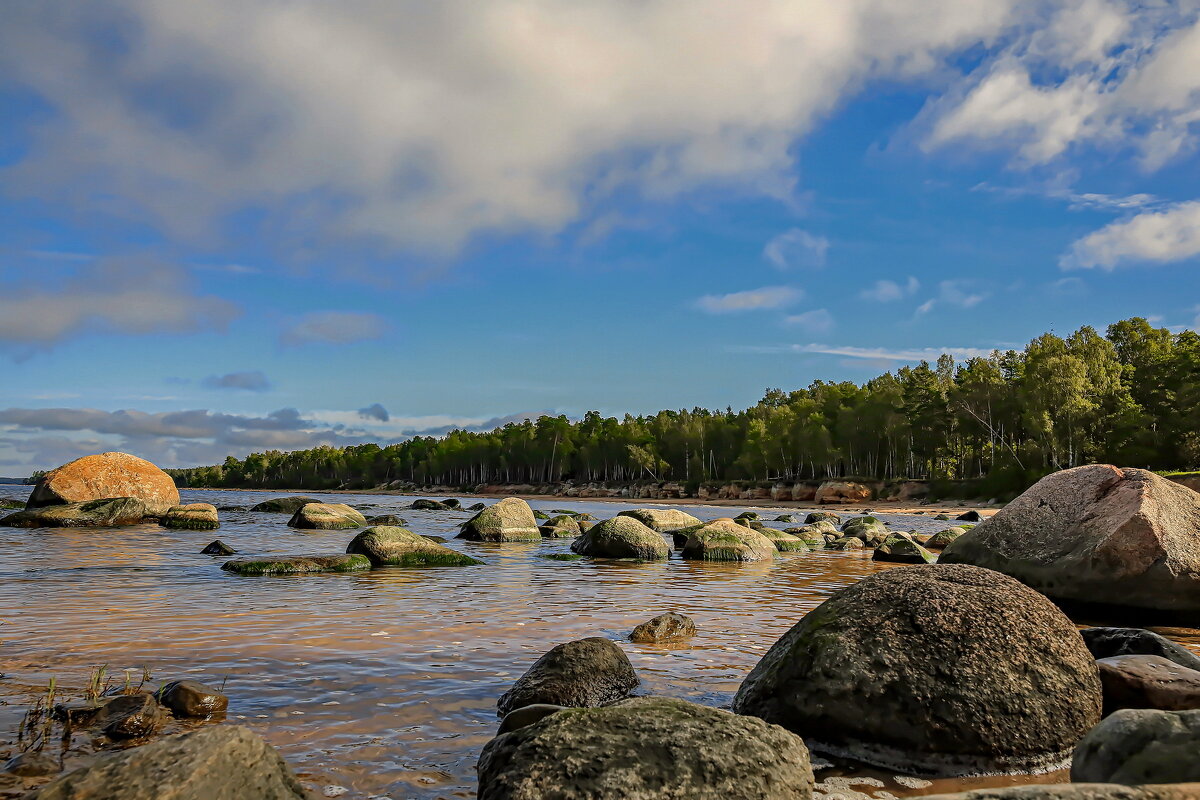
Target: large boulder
1148,682
400,547
1106,642
284,505
869,529
845,492
192,517
327,517
220,762
661,519
111,513
931,668
1096,534
103,476
1136,746
646,748
586,672
294,565
509,520
622,537
725,540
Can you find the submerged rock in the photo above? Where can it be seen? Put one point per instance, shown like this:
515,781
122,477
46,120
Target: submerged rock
104,476
1106,642
1148,682
111,513
646,748
192,517
31,764
858,676
622,537
586,672
191,699
290,565
661,519
284,505
1096,534
1140,746
221,761
327,517
726,540
509,520
669,627
399,547
218,548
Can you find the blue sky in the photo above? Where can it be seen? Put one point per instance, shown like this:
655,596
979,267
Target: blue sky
242,225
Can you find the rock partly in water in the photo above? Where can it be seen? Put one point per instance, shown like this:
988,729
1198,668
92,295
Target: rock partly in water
1106,642
192,517
970,516
31,764
669,627
586,672
661,519
823,516
221,761
431,505
902,550
845,543
105,476
725,540
1148,682
1096,534
785,542
942,539
476,507
509,520
388,546
1136,746
293,565
131,716
218,548
191,699
527,715
393,520
327,517
811,535
111,513
622,537
1078,791
647,748
858,677
284,505
562,526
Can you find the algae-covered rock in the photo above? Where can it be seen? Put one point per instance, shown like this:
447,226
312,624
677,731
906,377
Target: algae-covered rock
811,535
284,505
661,519
110,513
845,543
388,546
586,672
867,528
622,537
509,520
902,550
291,565
725,540
860,675
747,515
327,517
563,526
823,516
431,505
105,476
785,542
942,539
646,748
192,517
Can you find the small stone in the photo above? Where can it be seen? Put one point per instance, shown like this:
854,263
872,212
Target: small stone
667,627
218,548
133,716
192,699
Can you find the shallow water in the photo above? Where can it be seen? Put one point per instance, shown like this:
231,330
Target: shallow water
384,683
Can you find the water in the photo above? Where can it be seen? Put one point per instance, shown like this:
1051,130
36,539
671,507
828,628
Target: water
384,683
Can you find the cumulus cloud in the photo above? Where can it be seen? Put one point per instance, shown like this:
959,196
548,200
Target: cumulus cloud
254,381
134,296
408,123
817,321
1154,237
796,248
751,300
334,327
887,291
374,411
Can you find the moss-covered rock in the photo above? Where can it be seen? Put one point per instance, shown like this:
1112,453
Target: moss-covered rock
392,520
111,513
789,518
867,528
823,516
561,556
509,520
192,517
284,505
563,526
811,535
661,519
540,515
942,539
845,543
8,505
752,524
388,546
622,537
725,540
785,542
747,515
901,549
292,565
327,517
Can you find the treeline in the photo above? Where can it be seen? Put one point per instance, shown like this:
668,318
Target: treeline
1131,397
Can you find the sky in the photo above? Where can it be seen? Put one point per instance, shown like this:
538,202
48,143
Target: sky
242,225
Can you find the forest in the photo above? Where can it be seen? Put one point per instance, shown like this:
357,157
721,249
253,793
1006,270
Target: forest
1130,397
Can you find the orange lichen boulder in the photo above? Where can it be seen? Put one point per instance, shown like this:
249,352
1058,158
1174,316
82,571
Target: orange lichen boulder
103,476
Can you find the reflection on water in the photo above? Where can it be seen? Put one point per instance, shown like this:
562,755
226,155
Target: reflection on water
384,682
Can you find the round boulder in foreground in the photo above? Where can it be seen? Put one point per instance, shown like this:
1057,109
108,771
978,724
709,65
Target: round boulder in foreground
106,475
509,520
647,748
725,540
947,670
1136,746
586,672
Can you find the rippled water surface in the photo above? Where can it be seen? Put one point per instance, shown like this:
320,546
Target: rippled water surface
383,683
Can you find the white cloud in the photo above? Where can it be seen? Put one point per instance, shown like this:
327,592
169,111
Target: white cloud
888,291
751,300
796,248
958,293
409,123
882,353
334,327
1156,236
816,321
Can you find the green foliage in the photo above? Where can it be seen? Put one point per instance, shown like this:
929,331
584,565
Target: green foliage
993,424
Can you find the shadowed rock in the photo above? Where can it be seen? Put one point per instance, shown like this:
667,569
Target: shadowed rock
111,513
1106,642
290,565
284,505
586,672
1140,746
